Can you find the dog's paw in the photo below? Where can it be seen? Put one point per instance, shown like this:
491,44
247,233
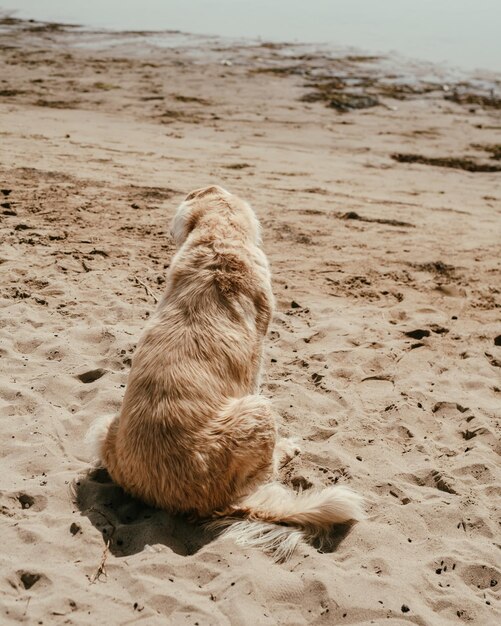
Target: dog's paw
287,449
291,446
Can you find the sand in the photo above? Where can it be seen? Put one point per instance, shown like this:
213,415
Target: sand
382,356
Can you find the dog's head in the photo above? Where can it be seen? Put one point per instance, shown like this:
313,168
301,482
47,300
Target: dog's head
212,200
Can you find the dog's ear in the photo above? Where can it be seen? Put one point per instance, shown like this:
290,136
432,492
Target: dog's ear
185,220
192,219
205,191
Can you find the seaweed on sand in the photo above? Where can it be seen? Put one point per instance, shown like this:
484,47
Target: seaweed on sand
490,101
493,148
458,163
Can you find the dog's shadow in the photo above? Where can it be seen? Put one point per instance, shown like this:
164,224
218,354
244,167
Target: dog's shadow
128,524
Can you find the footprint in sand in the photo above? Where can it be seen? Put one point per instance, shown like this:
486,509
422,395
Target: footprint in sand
10,503
444,408
91,375
395,492
481,576
300,483
434,479
478,471
419,333
28,580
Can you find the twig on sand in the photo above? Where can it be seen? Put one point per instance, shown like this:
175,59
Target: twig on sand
102,566
101,570
146,288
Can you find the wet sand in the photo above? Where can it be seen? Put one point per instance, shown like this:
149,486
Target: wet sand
383,358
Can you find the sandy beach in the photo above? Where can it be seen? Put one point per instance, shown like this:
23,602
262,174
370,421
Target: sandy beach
379,191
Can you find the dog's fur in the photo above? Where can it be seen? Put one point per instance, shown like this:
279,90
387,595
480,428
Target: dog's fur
194,435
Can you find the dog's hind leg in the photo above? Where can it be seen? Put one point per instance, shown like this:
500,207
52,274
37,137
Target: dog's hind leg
247,427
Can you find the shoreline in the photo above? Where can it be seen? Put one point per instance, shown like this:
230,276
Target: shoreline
395,61
445,37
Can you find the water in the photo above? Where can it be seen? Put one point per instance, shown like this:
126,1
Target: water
460,33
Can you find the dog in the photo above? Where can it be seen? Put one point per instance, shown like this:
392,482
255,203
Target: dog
194,436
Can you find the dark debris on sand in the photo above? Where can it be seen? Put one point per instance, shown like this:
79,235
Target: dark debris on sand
458,163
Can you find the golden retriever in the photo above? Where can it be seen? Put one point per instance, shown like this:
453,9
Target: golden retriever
194,435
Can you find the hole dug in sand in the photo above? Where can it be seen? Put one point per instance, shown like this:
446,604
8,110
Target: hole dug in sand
34,503
26,501
91,375
29,580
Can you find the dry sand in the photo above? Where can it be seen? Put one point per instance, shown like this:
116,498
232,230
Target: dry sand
382,355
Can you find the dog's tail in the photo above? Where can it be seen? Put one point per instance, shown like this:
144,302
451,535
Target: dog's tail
277,519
